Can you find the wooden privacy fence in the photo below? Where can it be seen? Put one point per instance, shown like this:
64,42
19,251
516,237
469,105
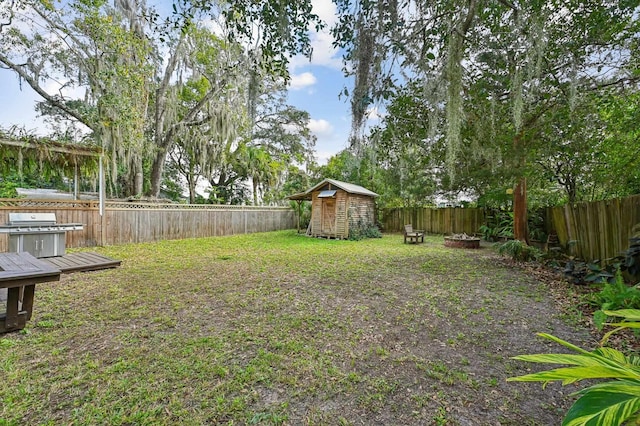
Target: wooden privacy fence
591,231
598,230
125,222
450,220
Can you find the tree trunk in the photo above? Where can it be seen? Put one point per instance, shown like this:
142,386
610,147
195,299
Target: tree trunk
572,192
254,181
156,173
138,178
520,231
191,180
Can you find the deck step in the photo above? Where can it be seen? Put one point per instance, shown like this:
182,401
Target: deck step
82,261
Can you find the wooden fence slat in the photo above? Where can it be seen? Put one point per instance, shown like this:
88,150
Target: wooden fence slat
596,230
129,222
434,220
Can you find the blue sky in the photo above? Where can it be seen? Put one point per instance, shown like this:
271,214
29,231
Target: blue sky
315,86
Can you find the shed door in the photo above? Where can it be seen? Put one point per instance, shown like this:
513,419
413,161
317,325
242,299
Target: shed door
328,216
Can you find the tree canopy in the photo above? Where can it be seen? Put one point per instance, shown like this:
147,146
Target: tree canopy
479,96
142,85
482,94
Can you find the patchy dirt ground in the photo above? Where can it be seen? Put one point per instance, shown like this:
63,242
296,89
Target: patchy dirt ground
288,330
443,334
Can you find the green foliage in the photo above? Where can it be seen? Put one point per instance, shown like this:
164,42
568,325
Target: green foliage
495,198
303,211
615,295
11,180
532,106
535,224
631,263
606,271
610,403
361,231
519,251
342,166
579,272
8,189
489,233
154,88
499,225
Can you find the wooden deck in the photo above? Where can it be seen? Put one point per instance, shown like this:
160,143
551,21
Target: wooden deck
82,261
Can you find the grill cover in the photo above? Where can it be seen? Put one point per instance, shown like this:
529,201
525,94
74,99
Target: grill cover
32,219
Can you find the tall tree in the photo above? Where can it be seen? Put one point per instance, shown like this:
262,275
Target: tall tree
132,65
518,59
86,45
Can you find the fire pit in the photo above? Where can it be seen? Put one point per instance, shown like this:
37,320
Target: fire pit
462,241
37,233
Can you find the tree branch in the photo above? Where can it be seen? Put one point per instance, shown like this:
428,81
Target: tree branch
55,101
11,14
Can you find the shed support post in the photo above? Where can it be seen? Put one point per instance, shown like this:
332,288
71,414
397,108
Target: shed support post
76,184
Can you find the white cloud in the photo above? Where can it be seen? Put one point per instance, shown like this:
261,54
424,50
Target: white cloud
322,157
300,81
326,10
56,87
374,115
320,127
323,51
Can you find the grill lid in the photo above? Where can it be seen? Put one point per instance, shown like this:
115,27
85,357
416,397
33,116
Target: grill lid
32,219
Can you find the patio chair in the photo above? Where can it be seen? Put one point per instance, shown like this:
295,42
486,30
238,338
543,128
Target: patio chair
413,235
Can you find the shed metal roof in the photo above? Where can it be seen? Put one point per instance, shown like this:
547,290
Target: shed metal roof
348,187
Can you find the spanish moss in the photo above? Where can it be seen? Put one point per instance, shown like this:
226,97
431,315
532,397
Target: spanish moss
454,108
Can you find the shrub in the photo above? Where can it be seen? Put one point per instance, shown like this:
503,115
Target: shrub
610,403
489,233
498,225
631,262
617,295
579,272
362,231
614,295
8,189
519,251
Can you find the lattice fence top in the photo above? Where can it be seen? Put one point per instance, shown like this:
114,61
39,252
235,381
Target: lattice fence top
52,204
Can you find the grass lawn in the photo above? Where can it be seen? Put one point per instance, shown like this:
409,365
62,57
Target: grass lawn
277,328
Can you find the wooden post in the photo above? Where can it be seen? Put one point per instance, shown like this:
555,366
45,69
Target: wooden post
76,184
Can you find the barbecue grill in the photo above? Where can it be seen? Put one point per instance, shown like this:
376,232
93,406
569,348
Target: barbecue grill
37,233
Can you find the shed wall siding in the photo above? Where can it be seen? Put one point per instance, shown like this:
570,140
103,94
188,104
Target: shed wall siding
361,210
342,226
316,215
351,210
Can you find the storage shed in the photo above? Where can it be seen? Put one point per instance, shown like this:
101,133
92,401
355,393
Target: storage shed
337,207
